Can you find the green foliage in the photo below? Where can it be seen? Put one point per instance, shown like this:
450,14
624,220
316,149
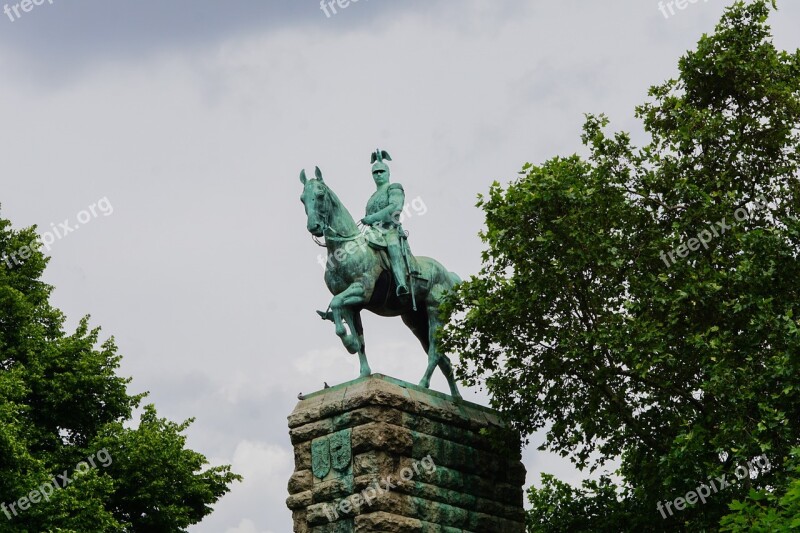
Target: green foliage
560,508
61,403
680,367
154,461
769,511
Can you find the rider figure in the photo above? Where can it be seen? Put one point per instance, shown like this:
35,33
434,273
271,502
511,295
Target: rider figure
383,214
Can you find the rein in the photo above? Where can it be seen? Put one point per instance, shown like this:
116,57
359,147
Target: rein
337,237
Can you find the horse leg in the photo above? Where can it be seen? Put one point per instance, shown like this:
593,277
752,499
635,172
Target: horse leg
350,296
447,369
444,362
357,330
350,338
336,318
417,322
420,325
433,354
435,357
343,307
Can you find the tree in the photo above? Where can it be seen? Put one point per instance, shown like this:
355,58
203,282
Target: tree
62,410
769,511
642,304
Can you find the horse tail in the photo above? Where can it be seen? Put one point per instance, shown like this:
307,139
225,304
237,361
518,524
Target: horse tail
454,279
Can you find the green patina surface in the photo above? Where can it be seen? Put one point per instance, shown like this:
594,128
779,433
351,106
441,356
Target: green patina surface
375,270
332,454
392,426
406,385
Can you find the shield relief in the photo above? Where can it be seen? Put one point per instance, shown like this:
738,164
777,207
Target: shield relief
320,457
341,450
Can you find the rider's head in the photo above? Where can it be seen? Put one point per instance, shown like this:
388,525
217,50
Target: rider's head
380,170
380,173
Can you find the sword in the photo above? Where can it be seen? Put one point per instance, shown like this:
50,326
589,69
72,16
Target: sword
404,249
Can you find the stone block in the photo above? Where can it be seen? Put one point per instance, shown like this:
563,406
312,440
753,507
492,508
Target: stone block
380,455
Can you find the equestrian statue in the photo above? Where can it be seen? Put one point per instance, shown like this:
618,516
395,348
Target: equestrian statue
373,268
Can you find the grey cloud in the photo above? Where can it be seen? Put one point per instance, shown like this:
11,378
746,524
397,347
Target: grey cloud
194,119
62,37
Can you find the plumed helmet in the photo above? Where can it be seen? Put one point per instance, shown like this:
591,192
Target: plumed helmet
378,160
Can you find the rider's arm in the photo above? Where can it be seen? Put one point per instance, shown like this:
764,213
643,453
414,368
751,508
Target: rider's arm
397,200
391,213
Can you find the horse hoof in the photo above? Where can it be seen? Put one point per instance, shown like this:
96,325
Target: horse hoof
351,344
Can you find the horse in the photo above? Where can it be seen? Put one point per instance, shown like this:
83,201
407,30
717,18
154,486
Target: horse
358,276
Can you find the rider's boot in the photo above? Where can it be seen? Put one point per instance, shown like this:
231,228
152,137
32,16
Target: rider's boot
399,270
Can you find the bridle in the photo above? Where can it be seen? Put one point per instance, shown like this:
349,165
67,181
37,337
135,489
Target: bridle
327,204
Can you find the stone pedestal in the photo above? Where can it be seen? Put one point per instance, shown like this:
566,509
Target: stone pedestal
381,455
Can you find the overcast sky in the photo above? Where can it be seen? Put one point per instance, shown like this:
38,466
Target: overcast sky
193,120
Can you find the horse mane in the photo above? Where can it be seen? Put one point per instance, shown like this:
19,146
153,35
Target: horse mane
337,204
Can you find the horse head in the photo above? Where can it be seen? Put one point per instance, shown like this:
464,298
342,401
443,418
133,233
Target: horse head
324,210
316,199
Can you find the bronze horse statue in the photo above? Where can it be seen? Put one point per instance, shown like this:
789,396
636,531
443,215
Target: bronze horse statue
358,276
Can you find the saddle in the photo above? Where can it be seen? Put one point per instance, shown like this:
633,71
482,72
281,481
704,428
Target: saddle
377,241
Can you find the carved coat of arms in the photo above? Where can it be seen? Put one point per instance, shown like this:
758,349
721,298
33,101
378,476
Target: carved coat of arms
341,450
320,457
333,451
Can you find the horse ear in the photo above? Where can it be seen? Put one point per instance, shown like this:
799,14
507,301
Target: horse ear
318,173
303,178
